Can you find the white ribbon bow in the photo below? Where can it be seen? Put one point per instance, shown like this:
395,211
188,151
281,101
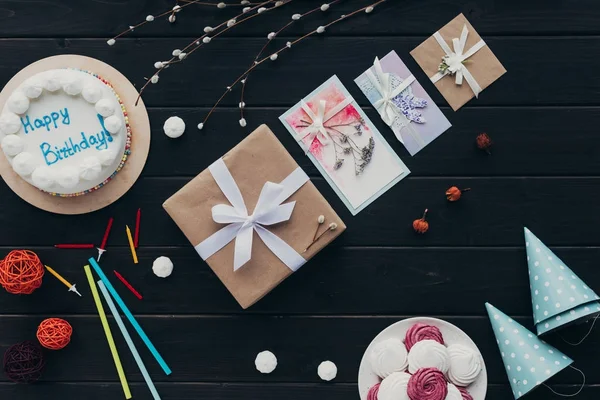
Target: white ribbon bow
317,128
241,226
382,82
454,59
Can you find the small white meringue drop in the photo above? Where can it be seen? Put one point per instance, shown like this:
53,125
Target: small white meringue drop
107,157
92,93
113,124
105,107
162,267
327,371
33,87
18,103
90,168
174,127
10,123
12,145
42,177
265,362
67,177
24,164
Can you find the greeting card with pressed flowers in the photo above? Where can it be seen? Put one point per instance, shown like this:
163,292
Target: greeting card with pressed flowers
344,145
402,103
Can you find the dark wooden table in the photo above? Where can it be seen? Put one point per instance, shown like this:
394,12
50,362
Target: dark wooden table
544,173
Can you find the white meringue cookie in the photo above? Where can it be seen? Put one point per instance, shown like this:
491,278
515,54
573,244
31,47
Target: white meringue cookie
92,93
90,168
18,103
10,123
428,354
67,177
453,393
33,87
465,365
265,362
53,81
12,145
394,387
327,371
43,177
107,157
105,108
162,267
24,163
113,124
174,127
388,356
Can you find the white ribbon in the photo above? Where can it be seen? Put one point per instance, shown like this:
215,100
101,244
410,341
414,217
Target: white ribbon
389,111
317,128
241,226
454,59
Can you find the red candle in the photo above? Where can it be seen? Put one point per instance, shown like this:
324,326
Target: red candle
74,246
136,236
106,232
128,285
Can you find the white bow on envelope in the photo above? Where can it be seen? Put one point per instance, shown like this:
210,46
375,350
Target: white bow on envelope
317,128
454,59
241,226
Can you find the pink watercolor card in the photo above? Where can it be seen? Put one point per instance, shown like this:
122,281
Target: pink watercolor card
402,103
344,145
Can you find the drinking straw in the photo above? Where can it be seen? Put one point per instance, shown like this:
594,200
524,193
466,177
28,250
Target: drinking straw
109,337
132,348
130,317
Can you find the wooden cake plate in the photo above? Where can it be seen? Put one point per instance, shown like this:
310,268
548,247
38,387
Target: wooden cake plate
140,140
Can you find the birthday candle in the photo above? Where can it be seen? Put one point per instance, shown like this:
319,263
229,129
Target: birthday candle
136,237
106,232
131,245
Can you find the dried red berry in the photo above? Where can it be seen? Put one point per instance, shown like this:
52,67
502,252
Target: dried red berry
454,193
421,225
484,142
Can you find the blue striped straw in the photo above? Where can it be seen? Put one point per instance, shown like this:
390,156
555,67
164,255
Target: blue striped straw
134,351
130,317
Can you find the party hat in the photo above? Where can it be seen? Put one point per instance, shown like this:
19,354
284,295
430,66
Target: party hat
558,296
528,360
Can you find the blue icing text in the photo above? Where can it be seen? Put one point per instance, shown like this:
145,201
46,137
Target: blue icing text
99,141
46,121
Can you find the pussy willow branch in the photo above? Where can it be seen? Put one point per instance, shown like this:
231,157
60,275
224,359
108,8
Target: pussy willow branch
269,40
177,10
286,47
223,26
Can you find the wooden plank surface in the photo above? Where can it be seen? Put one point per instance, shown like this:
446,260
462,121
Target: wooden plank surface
544,173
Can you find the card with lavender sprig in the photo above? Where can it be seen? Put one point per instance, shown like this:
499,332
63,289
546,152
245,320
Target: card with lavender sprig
402,103
344,145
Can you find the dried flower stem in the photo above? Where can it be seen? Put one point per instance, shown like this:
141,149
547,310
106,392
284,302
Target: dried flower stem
269,40
301,38
198,41
332,227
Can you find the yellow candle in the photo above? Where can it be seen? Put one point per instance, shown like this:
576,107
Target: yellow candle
107,332
131,245
57,276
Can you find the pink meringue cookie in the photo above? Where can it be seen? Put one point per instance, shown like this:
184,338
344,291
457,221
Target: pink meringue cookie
465,365
428,384
394,387
372,395
453,393
428,354
465,394
419,332
388,356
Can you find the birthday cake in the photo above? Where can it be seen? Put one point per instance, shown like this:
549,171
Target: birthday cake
65,131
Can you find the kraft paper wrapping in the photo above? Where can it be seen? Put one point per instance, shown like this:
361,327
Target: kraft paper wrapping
258,158
483,65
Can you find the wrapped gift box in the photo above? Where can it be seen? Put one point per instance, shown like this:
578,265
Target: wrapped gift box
257,166
482,65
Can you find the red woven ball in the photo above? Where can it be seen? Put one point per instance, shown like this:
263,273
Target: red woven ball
54,333
21,272
24,362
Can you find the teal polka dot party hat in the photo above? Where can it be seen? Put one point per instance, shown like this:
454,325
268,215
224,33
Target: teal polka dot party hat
559,297
528,360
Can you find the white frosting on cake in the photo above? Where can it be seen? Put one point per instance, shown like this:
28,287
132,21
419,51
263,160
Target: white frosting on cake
453,393
65,131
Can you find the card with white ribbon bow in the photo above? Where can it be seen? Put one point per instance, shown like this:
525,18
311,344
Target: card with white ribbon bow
402,103
344,145
458,61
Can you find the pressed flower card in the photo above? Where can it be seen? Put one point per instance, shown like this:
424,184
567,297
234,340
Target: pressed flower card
402,103
344,145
